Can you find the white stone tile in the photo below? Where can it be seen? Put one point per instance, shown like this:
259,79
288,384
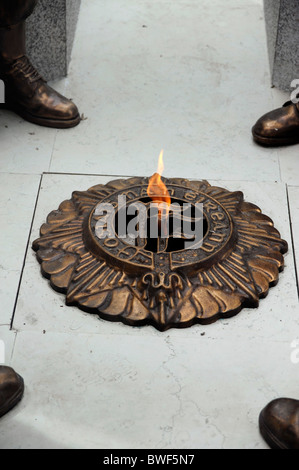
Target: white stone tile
279,98
294,214
25,147
18,196
7,341
193,81
40,308
289,164
288,156
154,392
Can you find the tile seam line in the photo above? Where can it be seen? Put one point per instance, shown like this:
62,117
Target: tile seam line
53,149
13,173
166,176
292,239
25,255
13,346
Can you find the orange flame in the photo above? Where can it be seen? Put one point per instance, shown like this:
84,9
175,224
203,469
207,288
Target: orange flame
157,190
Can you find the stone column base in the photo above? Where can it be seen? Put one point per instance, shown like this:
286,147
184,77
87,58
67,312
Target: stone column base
282,19
50,36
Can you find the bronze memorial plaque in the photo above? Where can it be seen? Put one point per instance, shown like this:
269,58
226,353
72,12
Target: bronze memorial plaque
157,280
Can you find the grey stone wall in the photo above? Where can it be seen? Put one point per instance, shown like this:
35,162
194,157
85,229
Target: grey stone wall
282,26
50,33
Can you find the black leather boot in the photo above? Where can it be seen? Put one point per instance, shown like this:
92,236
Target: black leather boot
26,92
11,389
279,424
278,127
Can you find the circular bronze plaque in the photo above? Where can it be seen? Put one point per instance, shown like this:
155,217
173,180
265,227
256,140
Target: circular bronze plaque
238,259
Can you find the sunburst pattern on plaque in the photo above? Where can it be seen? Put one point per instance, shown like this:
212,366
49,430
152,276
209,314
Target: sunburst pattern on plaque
240,278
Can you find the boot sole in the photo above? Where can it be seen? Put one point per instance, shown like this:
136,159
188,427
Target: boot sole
14,400
269,437
45,122
268,142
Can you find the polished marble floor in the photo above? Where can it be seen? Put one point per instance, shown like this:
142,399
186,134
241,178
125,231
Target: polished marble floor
191,77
